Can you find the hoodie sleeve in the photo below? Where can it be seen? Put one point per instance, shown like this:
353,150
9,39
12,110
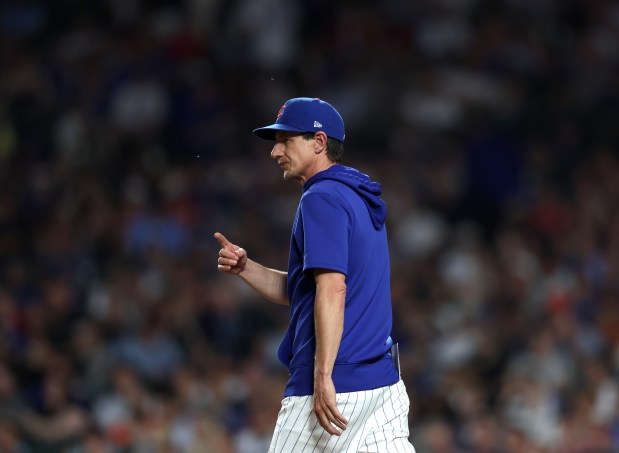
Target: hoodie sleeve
326,224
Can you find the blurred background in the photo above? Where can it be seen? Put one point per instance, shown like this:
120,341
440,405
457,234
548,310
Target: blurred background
125,143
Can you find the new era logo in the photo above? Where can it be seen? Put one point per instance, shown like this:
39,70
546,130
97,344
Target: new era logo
317,124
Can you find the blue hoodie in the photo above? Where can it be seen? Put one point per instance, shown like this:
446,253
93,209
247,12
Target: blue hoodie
340,225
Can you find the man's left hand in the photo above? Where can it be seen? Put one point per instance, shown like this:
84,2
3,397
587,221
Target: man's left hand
325,406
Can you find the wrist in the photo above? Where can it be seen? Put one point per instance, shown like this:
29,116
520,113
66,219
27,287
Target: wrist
322,373
243,270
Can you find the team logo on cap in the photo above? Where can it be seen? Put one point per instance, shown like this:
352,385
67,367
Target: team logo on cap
281,111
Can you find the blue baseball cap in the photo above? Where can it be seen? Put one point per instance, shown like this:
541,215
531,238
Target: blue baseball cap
305,115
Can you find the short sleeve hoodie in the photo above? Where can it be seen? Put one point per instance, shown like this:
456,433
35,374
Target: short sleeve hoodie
340,225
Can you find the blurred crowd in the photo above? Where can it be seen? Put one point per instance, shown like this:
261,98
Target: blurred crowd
125,143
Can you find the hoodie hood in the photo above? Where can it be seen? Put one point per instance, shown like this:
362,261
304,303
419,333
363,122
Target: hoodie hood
368,190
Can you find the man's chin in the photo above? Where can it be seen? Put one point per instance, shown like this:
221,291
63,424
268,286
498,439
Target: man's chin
293,177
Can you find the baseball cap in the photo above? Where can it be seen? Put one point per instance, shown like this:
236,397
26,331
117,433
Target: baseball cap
305,115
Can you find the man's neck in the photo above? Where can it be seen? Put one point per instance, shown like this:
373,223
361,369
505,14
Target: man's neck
320,166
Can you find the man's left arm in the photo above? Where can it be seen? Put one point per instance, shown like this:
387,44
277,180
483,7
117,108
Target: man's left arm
329,325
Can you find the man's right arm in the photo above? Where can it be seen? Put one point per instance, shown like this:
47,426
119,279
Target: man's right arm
269,283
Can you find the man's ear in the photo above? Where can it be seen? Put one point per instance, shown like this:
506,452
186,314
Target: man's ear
320,142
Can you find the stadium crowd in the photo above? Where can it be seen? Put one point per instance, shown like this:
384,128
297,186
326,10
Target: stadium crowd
125,142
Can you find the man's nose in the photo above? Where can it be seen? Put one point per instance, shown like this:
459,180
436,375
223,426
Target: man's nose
276,151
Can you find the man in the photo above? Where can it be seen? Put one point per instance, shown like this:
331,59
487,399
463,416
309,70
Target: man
344,393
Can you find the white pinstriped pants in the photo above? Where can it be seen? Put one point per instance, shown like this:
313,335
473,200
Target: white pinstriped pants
377,422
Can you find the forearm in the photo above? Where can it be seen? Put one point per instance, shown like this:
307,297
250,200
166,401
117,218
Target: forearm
329,323
328,326
269,283
58,428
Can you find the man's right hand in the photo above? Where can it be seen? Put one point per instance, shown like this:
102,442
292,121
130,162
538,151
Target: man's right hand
232,258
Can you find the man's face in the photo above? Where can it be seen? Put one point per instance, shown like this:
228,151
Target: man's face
295,155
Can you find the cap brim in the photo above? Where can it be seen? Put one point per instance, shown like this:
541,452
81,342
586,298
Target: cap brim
268,132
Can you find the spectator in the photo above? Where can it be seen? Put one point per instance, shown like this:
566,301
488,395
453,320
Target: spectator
59,424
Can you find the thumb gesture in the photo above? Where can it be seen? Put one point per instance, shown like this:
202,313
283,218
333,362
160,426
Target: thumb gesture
232,258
